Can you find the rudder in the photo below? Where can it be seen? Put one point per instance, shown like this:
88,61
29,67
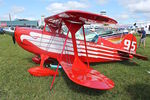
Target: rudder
129,43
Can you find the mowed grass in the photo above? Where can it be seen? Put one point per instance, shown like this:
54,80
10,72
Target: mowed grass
132,81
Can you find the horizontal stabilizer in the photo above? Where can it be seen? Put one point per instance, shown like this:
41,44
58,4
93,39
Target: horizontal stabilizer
138,56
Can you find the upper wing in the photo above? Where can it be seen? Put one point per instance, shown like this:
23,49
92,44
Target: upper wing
77,17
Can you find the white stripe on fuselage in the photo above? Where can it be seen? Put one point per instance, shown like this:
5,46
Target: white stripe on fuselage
55,44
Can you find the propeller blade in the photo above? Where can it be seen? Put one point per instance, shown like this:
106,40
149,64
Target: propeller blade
12,30
13,38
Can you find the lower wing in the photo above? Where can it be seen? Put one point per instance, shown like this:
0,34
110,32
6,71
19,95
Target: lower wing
79,73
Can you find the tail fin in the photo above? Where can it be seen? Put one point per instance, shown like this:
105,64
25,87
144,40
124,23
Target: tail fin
129,43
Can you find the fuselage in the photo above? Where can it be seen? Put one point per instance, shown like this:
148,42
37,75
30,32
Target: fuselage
51,44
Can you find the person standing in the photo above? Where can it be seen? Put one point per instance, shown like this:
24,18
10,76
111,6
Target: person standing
143,37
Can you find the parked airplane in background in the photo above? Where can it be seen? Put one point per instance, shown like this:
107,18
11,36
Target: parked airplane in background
58,40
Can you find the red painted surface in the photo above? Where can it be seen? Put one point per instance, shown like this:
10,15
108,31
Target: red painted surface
41,71
50,45
36,59
88,77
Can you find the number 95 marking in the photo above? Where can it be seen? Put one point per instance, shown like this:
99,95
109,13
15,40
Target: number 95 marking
127,44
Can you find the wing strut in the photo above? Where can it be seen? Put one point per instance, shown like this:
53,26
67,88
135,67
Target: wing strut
85,46
60,59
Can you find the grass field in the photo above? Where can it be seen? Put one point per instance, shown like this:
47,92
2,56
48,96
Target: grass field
132,81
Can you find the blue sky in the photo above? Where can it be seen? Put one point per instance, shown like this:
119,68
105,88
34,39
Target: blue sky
123,11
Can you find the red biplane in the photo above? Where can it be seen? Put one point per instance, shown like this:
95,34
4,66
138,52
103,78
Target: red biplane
58,40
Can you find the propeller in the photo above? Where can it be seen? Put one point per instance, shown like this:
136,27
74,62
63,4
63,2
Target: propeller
12,30
13,38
